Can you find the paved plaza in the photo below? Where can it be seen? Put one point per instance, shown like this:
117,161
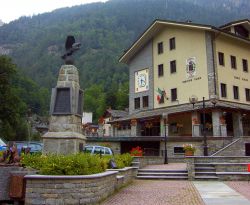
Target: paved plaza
157,192
179,192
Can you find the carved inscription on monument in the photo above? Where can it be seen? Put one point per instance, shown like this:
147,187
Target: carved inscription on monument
62,103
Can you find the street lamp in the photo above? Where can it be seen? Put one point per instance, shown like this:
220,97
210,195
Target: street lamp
164,115
213,99
204,128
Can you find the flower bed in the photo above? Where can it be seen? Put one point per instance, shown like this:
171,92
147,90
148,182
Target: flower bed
136,151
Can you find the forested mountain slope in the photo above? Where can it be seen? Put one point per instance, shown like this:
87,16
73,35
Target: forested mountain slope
105,31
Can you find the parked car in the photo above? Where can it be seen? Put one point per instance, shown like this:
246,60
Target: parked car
33,147
94,149
3,147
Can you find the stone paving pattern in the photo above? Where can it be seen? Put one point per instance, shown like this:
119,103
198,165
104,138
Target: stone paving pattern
156,192
242,187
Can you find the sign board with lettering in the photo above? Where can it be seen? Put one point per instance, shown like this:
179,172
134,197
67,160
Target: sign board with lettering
62,103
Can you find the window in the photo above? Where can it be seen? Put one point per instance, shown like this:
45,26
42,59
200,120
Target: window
137,103
172,43
223,88
179,150
233,62
160,47
160,70
173,66
236,92
221,58
174,94
245,65
247,91
145,101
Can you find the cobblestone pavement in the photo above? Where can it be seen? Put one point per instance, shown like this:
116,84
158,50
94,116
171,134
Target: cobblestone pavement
242,187
156,192
170,166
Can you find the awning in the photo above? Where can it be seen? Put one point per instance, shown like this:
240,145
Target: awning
184,108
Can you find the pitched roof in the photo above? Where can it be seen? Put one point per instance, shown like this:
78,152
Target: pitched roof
117,113
157,25
235,23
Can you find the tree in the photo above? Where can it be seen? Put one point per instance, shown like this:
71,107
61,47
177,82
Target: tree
94,101
11,107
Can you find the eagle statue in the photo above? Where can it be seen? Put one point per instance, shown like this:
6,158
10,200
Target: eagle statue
70,46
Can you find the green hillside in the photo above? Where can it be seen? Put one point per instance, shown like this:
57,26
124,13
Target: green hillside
105,30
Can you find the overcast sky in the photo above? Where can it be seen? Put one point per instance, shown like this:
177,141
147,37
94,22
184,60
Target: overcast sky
13,9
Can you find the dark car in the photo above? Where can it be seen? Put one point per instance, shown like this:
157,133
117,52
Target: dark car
31,147
34,147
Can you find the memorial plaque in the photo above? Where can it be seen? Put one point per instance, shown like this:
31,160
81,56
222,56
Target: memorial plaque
62,103
79,108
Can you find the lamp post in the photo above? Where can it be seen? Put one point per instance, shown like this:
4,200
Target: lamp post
204,128
165,138
213,99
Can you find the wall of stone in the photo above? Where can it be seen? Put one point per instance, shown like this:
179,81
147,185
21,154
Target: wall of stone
5,174
236,149
227,168
214,144
69,190
127,173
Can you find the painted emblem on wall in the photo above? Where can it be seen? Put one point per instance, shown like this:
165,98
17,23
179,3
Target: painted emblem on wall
190,67
141,81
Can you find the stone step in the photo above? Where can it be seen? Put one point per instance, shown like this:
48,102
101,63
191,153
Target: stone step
160,174
163,177
204,168
135,164
206,178
205,173
203,165
162,171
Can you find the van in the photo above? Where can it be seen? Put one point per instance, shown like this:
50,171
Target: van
95,149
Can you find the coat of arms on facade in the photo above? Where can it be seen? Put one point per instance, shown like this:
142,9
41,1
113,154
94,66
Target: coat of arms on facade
190,67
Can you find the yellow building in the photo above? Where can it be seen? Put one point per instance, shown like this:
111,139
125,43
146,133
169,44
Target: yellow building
186,76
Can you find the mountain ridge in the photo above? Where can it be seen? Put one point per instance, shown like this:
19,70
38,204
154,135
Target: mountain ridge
105,31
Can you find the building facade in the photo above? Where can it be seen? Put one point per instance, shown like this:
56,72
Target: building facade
187,82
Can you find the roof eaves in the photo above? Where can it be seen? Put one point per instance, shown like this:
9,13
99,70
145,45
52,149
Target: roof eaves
231,35
234,23
122,58
158,21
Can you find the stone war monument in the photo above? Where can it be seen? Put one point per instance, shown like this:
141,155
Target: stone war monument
65,130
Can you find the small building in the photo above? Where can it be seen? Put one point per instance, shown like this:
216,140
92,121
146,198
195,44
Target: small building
111,115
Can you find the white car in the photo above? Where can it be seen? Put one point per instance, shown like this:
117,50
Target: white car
95,149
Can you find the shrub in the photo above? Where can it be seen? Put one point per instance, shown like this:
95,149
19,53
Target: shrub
74,164
123,160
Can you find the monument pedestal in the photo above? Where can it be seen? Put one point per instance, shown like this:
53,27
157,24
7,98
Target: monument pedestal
63,142
65,128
